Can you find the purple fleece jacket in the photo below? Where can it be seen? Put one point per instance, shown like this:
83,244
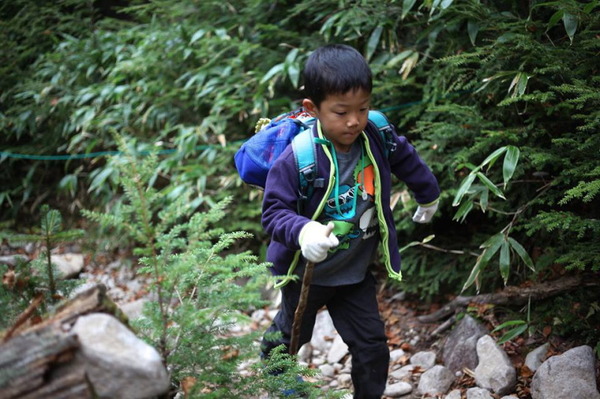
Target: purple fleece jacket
280,217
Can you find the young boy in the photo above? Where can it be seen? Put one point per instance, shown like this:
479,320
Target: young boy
356,170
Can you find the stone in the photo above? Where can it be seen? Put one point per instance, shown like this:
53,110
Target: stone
495,370
459,350
344,380
437,380
534,359
13,260
337,351
327,370
396,355
118,364
425,360
403,374
398,389
68,265
134,309
567,376
454,394
323,332
478,393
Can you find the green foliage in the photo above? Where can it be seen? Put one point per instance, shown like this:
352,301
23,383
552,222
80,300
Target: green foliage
203,286
514,327
49,234
28,280
575,314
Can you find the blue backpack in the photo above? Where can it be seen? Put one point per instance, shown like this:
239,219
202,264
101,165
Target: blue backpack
256,156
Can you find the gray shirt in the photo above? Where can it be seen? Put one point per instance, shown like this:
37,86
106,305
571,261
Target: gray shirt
355,220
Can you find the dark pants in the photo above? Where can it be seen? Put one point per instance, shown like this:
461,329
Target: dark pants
355,314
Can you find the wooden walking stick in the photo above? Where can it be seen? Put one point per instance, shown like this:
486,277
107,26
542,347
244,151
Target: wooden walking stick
306,280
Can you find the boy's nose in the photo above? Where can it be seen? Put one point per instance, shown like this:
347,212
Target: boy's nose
352,121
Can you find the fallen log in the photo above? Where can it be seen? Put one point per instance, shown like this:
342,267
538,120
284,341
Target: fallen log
513,295
34,358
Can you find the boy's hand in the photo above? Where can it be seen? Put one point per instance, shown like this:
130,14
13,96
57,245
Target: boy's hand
425,213
315,240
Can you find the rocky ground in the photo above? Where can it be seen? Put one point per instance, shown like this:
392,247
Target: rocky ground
415,348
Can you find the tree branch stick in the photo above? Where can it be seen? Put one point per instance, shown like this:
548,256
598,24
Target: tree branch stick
299,314
513,295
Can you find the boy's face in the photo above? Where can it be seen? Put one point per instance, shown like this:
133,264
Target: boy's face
343,116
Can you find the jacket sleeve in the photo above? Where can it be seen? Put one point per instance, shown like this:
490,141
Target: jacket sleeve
280,217
406,164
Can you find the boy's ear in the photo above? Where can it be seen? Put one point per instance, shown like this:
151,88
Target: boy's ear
309,106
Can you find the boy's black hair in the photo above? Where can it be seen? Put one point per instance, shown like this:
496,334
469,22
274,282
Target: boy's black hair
335,69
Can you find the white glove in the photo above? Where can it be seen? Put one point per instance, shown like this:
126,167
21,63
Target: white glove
315,240
425,213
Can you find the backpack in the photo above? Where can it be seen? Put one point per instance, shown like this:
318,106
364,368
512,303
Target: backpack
256,156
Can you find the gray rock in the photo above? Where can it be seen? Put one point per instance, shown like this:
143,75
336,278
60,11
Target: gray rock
68,265
118,364
567,376
13,260
396,354
327,370
454,394
437,380
459,350
344,380
337,351
403,374
323,332
398,389
425,360
134,309
478,393
535,357
495,370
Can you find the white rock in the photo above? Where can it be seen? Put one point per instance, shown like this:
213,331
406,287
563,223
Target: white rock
323,332
344,380
118,364
425,360
436,380
13,260
338,350
478,393
305,352
567,376
404,373
327,370
454,394
535,357
398,389
396,354
68,265
495,370
134,309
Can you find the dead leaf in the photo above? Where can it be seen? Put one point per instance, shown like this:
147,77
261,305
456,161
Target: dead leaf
187,384
9,279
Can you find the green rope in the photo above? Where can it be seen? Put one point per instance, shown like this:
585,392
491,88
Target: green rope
66,157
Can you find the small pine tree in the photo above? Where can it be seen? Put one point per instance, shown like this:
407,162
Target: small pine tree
202,286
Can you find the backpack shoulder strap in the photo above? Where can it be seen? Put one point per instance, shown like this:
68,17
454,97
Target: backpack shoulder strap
385,130
306,161
304,149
